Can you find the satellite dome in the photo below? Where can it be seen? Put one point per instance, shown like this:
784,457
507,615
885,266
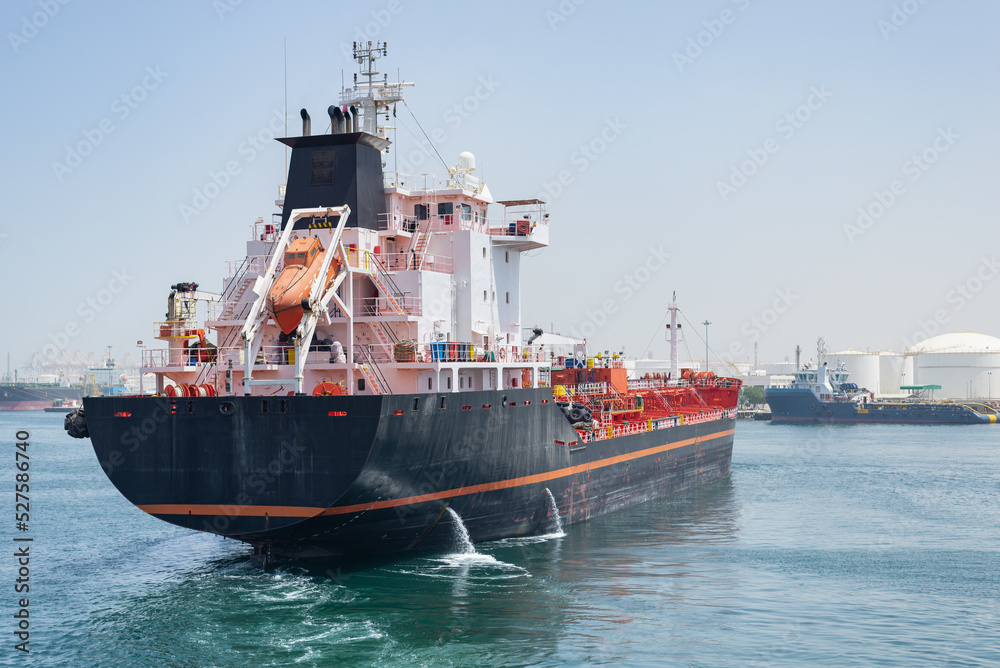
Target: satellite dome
466,161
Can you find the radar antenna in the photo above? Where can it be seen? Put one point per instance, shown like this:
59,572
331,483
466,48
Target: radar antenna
372,97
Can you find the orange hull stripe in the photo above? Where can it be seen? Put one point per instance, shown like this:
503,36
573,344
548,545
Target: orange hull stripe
305,511
230,511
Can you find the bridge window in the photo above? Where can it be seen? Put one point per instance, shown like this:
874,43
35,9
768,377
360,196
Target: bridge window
446,209
420,211
466,211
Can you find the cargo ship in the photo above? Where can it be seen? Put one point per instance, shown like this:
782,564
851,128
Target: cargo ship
821,394
20,396
369,383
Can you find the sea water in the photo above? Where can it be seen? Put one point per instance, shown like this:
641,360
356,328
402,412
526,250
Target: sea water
851,545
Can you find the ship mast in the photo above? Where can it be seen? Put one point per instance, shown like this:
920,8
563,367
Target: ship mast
674,331
373,96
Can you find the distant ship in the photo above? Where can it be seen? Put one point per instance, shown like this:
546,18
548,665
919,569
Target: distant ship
49,390
824,395
20,396
63,406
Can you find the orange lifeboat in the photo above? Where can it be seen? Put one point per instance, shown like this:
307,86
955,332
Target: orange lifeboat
303,260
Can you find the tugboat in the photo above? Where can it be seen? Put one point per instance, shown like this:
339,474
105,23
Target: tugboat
63,406
368,379
825,395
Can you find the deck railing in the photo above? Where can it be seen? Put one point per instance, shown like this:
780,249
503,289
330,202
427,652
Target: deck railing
627,429
405,352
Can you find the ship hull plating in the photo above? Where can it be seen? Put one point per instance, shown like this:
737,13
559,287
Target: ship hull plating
350,475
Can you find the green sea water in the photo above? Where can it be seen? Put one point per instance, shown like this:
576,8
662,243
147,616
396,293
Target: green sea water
843,546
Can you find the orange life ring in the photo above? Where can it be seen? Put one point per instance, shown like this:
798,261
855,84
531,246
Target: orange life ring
502,354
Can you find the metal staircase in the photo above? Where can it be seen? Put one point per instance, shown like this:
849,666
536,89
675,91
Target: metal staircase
372,372
385,336
383,286
232,300
420,250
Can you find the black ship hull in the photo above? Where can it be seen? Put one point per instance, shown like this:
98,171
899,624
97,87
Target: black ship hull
351,475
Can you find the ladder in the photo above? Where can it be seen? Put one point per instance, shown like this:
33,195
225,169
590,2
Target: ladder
234,299
420,250
384,289
372,372
386,337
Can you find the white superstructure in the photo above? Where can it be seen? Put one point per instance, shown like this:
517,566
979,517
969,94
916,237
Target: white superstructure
430,301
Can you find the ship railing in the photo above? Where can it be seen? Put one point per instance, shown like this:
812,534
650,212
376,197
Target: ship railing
379,306
402,352
661,383
194,357
430,182
408,261
252,264
583,388
395,221
605,432
408,351
261,230
518,224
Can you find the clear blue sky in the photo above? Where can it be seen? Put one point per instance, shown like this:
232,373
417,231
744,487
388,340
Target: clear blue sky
667,121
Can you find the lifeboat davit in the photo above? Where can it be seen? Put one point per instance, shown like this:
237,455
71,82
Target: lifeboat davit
303,260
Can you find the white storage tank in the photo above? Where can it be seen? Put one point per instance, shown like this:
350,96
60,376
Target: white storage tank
895,369
862,366
962,363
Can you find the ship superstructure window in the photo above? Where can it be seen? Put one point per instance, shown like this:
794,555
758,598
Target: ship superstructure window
508,297
484,251
446,209
322,168
420,211
466,211
506,256
484,295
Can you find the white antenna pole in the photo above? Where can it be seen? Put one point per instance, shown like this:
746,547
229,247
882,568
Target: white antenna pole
673,338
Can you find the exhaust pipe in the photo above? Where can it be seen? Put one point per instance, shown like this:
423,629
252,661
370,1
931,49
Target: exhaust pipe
347,121
334,125
354,119
339,118
306,123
